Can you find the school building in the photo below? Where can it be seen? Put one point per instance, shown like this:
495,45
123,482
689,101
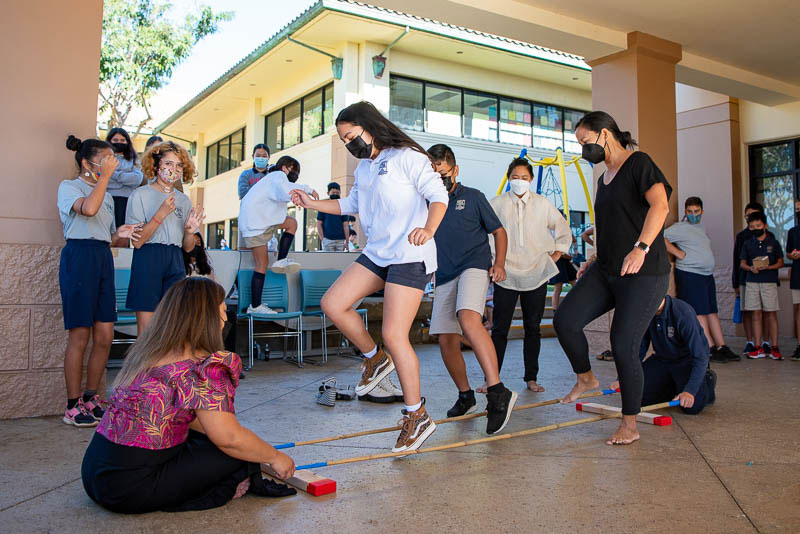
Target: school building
717,107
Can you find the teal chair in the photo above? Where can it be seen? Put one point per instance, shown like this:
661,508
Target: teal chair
276,296
313,286
125,316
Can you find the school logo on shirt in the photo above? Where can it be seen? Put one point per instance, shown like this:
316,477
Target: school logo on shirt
769,249
461,204
179,212
382,168
670,331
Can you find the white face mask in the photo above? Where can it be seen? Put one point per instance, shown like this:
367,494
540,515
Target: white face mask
519,186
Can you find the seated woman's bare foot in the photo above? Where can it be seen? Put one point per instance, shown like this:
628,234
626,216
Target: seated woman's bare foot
625,435
586,382
242,488
483,389
533,386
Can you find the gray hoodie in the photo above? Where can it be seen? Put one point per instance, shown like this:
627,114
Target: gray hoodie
125,179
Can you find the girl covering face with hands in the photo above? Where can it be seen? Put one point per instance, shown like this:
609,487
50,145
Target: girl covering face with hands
400,201
168,224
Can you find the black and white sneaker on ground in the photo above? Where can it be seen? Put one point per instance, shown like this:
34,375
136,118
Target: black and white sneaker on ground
385,392
499,408
464,405
717,356
796,355
748,348
729,354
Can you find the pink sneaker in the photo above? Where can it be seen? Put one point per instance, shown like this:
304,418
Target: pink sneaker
78,416
95,407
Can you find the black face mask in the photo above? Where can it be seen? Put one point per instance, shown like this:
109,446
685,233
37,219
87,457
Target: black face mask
593,152
359,148
448,182
757,233
120,147
335,197
293,176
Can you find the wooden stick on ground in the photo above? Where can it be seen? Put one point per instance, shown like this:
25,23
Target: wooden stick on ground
459,444
438,422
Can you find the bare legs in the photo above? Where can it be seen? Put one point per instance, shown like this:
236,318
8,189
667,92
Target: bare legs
712,328
73,358
480,341
400,305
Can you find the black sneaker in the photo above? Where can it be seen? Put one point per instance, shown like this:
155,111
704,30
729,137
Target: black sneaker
748,348
499,407
796,355
464,405
717,356
729,354
766,348
711,377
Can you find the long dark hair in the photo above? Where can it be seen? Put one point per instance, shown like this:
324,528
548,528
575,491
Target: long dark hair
129,153
186,318
287,161
200,258
383,131
85,150
597,120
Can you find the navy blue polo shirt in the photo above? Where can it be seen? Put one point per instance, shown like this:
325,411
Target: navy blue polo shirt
462,240
332,225
677,336
754,248
792,244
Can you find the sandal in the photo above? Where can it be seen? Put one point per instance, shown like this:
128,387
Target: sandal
606,356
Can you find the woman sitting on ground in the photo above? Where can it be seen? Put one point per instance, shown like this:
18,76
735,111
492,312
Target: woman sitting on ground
170,439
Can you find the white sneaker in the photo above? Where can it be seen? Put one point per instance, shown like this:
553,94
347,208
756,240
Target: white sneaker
261,310
385,392
285,266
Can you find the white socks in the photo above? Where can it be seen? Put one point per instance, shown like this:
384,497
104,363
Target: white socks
371,353
414,408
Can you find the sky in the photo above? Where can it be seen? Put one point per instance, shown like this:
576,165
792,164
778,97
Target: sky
254,21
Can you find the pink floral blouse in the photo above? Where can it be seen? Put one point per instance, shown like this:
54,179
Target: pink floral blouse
155,410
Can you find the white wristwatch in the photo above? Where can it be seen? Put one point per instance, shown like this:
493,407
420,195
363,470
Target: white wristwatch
642,245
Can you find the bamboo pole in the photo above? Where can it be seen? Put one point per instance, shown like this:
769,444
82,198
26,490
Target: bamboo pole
438,422
488,439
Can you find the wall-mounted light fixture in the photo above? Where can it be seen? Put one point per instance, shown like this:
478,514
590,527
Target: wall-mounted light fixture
379,61
337,63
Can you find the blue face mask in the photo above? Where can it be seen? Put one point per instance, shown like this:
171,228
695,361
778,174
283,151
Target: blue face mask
260,163
694,218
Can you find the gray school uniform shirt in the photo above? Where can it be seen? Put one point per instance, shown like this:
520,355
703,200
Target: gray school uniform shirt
77,226
125,179
144,203
693,240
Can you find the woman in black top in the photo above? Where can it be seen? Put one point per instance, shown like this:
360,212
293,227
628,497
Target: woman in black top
630,273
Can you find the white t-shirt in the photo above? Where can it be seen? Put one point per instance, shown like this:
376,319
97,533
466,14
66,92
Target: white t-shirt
265,204
389,196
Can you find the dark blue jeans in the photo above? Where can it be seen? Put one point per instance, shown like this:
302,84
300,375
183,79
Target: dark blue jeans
635,300
664,379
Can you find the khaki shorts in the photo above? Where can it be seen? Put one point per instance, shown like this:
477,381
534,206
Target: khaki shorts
467,292
761,296
795,296
263,239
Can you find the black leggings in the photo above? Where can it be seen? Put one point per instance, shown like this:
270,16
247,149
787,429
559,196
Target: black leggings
635,300
505,301
194,475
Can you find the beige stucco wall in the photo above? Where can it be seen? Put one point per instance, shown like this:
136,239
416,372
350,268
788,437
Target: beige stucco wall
66,45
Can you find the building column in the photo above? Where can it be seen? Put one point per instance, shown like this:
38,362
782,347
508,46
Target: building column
346,90
636,86
709,167
32,335
254,128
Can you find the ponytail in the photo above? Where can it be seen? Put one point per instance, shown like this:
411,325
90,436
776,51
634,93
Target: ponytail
595,121
85,149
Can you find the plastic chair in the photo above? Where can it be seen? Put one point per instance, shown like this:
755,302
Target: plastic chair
276,296
313,285
125,316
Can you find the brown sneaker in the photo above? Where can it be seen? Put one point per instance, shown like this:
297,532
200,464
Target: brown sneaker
415,429
375,369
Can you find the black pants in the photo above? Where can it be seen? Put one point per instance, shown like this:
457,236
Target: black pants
664,379
505,301
194,475
635,300
120,208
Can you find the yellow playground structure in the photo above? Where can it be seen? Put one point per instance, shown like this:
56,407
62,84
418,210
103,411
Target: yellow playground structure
559,160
